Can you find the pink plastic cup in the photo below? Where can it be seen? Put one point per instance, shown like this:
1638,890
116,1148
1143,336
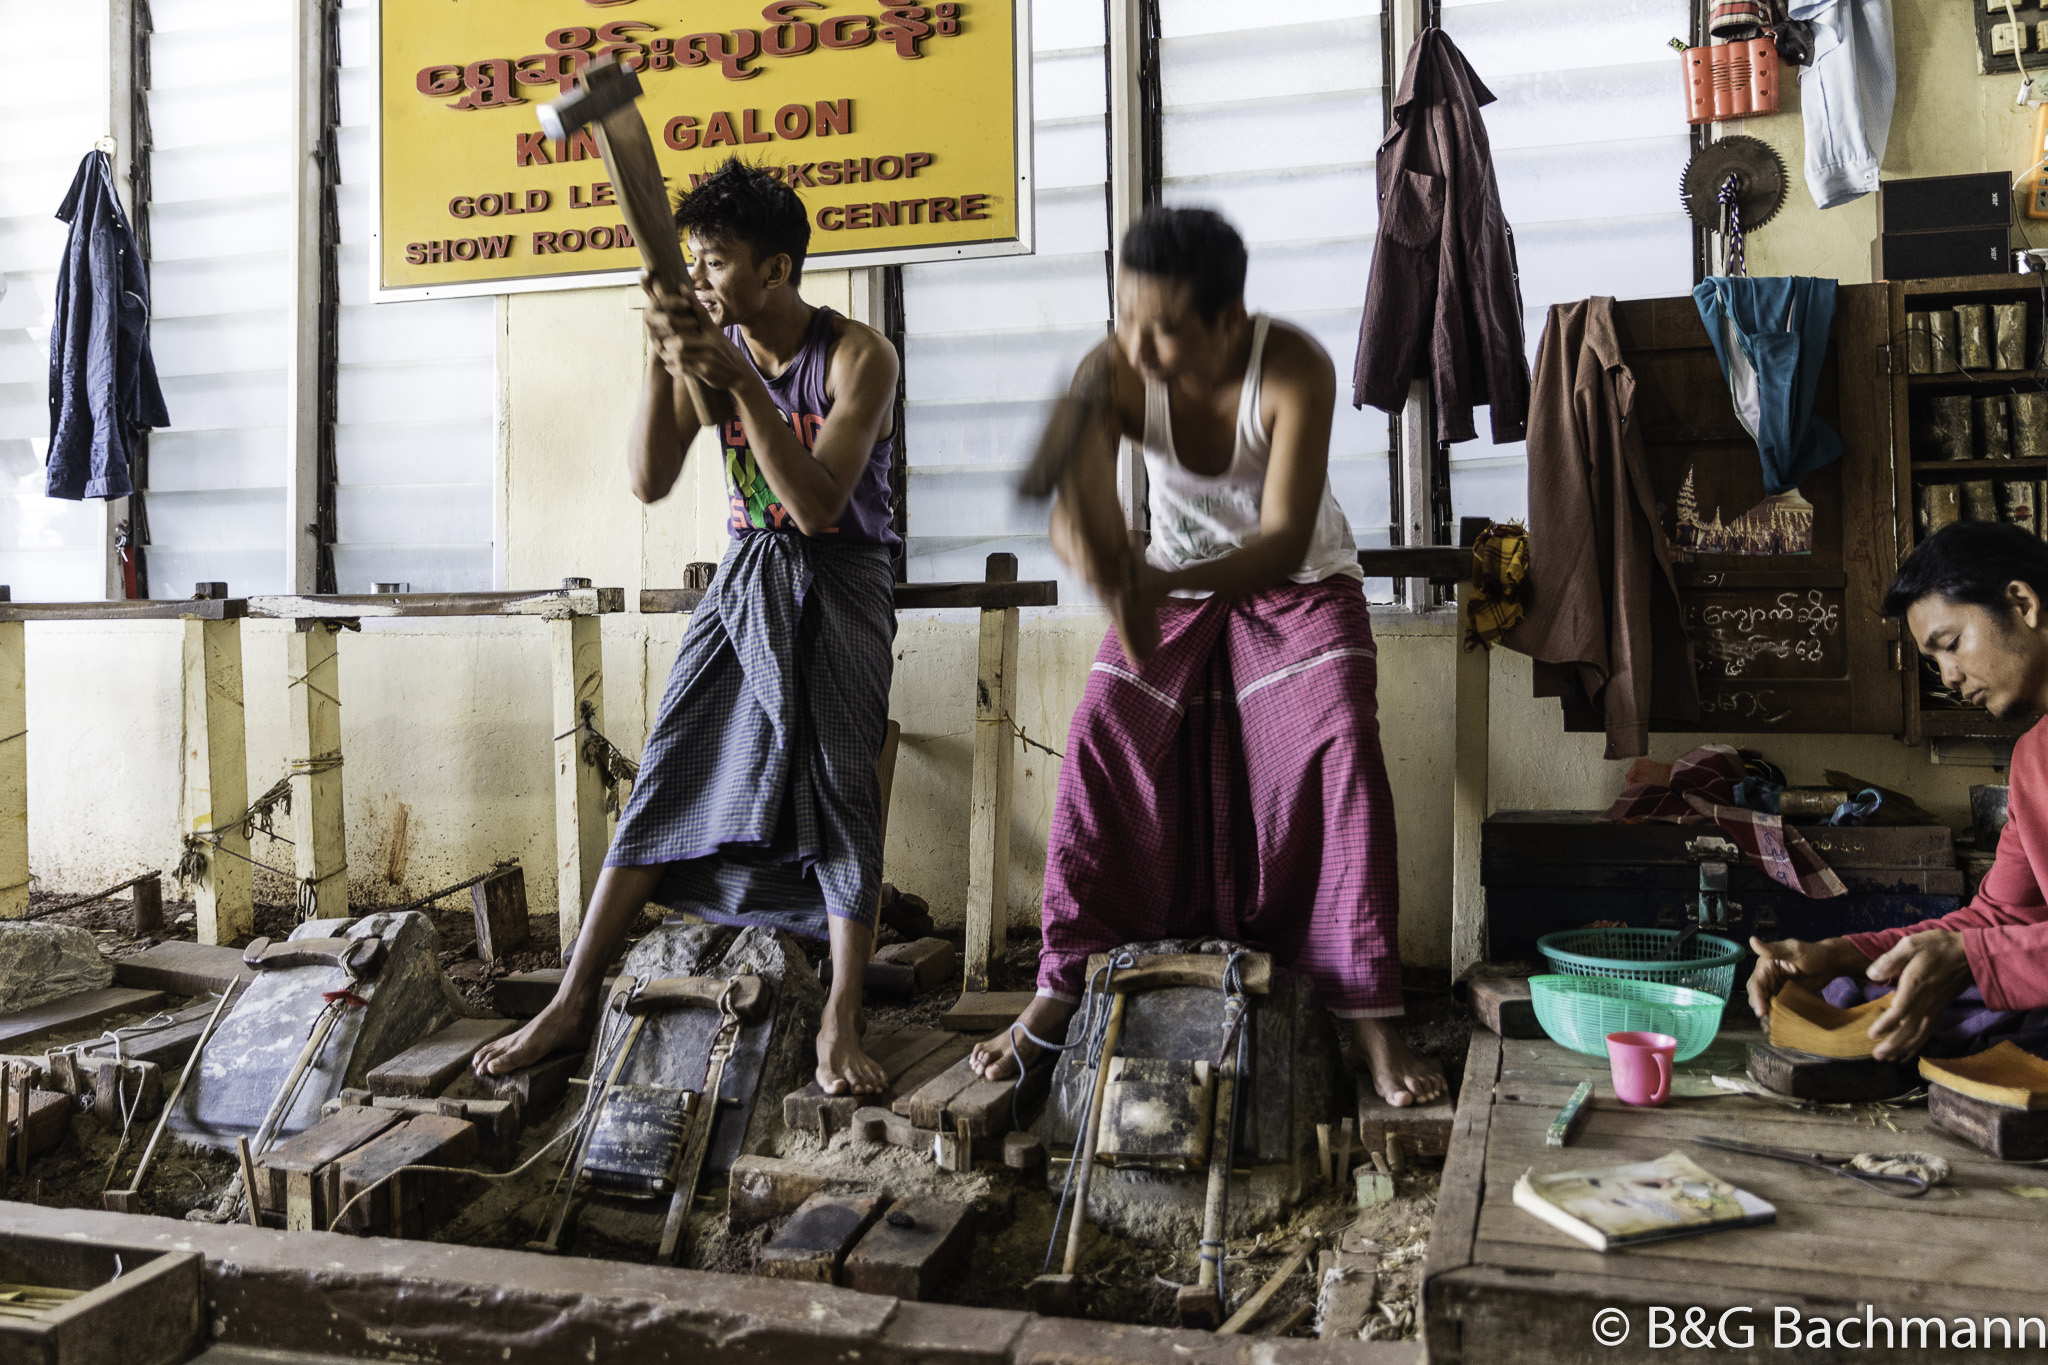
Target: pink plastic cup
1641,1063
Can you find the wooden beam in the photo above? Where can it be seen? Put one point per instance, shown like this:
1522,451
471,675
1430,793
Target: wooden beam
319,841
1436,563
1471,731
217,777
13,771
908,596
995,745
173,609
580,833
552,604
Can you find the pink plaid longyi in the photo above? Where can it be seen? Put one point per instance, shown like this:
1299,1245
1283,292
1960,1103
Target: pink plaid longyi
1234,787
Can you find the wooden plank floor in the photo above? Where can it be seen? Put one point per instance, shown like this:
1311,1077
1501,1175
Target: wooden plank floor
1502,1285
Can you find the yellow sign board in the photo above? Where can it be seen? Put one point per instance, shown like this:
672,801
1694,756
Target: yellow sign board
905,129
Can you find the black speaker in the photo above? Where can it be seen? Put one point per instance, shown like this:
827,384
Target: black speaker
1938,203
1938,255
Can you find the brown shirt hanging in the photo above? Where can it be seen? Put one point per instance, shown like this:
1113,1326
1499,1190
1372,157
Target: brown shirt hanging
1445,299
1603,618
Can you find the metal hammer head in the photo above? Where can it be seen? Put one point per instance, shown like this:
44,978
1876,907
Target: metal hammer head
604,87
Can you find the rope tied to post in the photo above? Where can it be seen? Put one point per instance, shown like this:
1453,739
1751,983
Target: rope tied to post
600,753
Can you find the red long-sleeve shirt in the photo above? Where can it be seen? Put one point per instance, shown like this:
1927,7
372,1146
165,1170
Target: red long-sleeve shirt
2005,928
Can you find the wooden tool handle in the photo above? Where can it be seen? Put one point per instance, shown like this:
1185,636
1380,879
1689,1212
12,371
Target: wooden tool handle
262,954
628,154
1157,970
1110,1034
749,995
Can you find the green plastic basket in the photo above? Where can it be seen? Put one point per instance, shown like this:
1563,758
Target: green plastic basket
1579,1012
1637,955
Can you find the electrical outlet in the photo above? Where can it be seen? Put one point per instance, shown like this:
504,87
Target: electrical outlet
1998,6
2005,37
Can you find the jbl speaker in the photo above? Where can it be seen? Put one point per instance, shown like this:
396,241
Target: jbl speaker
1941,203
1938,255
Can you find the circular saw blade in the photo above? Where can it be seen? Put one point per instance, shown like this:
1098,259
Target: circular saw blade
1759,181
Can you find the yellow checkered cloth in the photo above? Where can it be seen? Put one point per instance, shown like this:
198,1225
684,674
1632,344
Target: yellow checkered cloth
1500,562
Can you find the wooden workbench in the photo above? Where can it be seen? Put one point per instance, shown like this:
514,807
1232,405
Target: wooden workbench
1502,1285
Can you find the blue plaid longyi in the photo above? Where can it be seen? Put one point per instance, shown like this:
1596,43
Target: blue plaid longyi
757,787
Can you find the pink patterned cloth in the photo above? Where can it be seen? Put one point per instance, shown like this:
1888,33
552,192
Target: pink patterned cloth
1702,789
1233,787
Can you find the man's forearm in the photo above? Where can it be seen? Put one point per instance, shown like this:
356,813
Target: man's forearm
654,456
1253,567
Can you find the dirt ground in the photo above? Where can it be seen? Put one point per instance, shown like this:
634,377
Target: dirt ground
1122,1280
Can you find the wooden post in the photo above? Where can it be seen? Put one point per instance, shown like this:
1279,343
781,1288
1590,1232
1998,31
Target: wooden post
1471,730
580,834
217,777
13,768
988,821
318,837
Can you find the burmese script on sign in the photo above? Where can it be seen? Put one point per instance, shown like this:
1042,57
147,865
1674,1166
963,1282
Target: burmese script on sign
897,125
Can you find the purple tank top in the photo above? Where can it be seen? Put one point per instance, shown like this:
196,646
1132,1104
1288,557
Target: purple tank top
800,396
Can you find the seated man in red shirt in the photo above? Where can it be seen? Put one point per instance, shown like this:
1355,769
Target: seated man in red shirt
1975,596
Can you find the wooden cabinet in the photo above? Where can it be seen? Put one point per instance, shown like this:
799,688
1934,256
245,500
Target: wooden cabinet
1780,596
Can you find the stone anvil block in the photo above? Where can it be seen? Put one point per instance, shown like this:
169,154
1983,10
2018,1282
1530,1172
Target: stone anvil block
251,1056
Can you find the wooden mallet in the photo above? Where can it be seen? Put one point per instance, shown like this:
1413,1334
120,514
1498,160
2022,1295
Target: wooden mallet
604,101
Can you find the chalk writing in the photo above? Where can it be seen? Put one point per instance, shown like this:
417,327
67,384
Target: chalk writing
1789,634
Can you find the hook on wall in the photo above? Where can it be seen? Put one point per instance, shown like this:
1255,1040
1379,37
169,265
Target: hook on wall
107,145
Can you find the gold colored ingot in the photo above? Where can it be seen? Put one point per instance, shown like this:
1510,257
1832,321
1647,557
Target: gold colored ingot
1940,505
1919,344
2030,425
1973,327
1942,323
1994,427
2009,323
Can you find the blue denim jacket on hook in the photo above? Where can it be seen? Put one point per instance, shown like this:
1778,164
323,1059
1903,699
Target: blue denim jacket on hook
103,387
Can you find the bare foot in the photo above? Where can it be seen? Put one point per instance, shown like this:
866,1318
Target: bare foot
1401,1077
995,1060
844,1067
558,1028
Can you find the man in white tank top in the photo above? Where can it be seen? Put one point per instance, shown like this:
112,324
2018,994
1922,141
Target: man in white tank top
1223,773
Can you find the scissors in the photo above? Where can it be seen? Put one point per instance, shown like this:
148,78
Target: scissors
1898,1186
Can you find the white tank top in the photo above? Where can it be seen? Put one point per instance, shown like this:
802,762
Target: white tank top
1199,517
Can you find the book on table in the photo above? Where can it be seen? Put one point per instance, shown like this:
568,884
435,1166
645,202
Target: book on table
1645,1201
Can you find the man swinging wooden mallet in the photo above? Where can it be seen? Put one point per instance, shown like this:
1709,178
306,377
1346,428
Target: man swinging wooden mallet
736,817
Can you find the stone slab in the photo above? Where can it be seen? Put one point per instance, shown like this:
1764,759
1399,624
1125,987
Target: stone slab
72,1014
259,1043
771,1056
41,963
179,968
426,1068
911,1250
